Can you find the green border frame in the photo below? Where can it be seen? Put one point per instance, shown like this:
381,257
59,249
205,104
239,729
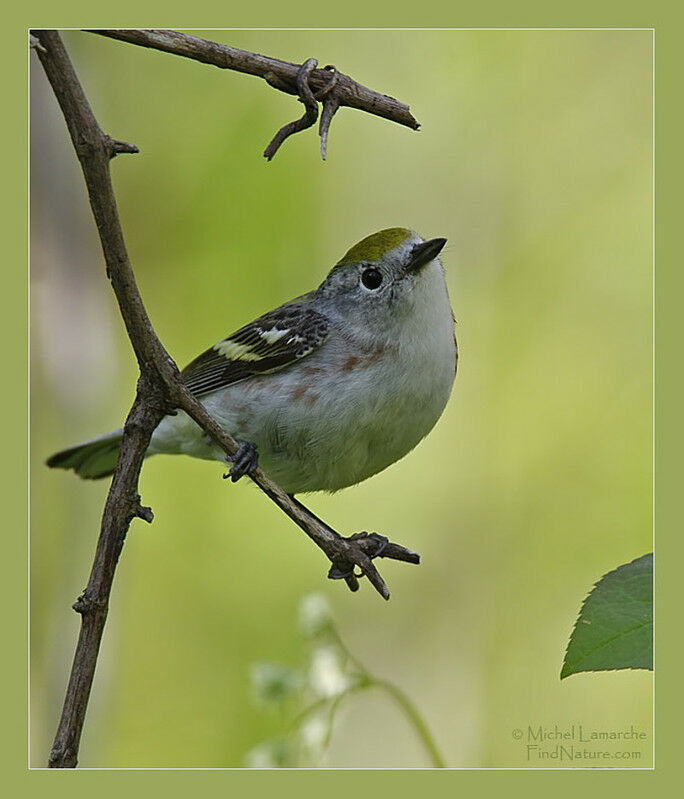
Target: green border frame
668,33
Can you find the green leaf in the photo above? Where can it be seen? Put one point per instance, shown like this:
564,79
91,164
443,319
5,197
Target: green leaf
615,625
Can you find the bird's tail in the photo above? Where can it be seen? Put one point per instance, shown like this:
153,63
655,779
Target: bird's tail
92,459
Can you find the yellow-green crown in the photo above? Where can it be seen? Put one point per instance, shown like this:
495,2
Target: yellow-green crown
375,246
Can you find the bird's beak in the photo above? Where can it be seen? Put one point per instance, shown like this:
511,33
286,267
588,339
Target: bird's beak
423,253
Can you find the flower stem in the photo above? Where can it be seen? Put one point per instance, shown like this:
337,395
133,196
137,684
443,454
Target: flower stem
414,718
368,680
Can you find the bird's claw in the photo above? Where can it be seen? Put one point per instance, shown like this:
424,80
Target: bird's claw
245,461
337,573
361,549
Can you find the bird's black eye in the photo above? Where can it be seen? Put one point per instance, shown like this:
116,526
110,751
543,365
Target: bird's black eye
371,278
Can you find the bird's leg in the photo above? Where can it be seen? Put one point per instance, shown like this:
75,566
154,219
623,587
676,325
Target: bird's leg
245,461
350,578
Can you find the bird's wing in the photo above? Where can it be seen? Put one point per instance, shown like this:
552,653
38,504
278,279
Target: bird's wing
267,344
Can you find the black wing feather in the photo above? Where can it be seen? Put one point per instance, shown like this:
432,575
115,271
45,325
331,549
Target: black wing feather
271,342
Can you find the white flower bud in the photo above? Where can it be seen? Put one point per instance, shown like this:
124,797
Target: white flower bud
314,733
326,675
315,616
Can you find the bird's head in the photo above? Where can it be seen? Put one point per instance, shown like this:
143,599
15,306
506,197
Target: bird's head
388,276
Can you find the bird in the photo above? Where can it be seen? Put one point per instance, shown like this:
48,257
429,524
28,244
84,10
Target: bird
327,389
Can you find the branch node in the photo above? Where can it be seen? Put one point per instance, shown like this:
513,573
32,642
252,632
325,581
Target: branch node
143,512
85,604
115,147
34,43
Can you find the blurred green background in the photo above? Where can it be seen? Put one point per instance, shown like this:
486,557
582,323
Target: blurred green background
534,160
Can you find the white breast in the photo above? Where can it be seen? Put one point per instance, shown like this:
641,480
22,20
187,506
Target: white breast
343,413
351,415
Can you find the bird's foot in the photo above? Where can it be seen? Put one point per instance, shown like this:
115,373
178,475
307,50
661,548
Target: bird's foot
359,550
245,461
375,546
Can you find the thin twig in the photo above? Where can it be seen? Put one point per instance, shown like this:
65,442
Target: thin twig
331,102
341,90
310,113
160,391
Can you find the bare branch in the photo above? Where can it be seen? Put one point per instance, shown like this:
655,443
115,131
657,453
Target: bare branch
160,391
282,75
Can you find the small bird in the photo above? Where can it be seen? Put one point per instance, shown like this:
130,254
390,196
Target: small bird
328,389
